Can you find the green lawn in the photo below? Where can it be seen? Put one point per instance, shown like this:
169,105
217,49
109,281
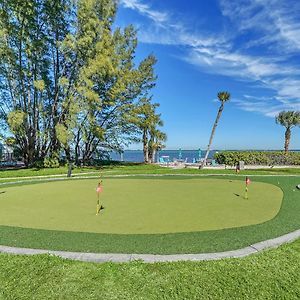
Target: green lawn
134,168
135,206
272,274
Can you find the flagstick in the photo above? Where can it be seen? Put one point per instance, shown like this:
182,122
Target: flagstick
99,190
98,205
98,200
246,189
246,192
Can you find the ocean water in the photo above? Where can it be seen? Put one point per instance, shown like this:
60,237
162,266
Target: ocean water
186,155
138,156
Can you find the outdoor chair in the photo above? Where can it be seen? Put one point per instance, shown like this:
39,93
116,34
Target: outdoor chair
214,163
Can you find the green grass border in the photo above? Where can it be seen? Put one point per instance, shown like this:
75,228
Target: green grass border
137,168
286,221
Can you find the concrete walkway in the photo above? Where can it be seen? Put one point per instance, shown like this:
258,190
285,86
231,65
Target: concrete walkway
151,258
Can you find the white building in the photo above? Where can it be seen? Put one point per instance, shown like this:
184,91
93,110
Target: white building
7,153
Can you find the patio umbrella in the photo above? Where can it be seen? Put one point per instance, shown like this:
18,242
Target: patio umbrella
199,154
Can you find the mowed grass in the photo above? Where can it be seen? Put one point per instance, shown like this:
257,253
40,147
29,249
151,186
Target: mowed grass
136,168
272,274
135,206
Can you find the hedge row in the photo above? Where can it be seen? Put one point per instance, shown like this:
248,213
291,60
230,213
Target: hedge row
269,158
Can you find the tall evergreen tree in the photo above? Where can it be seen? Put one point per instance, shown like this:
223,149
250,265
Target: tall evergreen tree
29,67
105,83
67,78
156,142
148,121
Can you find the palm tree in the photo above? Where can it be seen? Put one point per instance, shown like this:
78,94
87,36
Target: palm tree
223,97
147,121
288,119
156,142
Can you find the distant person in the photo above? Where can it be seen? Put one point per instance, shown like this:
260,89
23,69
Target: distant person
237,169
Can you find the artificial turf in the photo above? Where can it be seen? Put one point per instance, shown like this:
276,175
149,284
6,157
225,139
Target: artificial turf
135,206
285,221
272,274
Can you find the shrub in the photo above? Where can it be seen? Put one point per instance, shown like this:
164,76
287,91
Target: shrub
51,162
39,164
268,158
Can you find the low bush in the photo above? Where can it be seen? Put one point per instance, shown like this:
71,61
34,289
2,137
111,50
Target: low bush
50,162
266,158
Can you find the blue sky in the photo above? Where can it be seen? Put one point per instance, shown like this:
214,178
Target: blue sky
250,48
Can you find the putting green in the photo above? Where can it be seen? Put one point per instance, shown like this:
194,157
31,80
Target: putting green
135,206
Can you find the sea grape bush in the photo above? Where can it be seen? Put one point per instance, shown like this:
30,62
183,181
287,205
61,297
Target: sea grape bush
266,158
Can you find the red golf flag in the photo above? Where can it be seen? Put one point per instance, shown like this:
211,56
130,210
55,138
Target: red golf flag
248,181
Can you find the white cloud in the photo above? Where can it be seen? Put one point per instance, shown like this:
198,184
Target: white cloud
277,21
287,87
144,9
257,105
226,62
262,105
276,27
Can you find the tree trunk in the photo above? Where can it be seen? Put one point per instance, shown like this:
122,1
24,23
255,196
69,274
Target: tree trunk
145,146
150,151
212,136
77,148
69,169
68,157
287,139
153,155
